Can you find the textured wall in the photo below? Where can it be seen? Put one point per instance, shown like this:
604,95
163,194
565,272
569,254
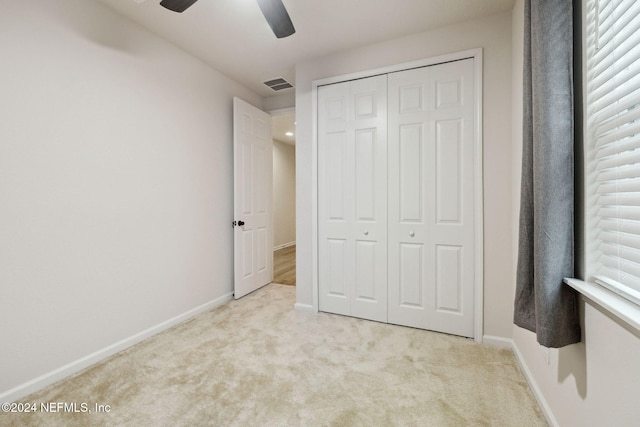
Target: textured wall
116,184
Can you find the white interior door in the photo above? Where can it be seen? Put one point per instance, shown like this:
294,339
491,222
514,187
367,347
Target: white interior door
253,234
352,192
431,197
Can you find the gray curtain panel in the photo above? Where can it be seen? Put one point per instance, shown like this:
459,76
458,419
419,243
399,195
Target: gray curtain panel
543,304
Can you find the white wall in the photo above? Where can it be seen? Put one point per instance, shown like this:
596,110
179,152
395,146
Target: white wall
115,184
493,34
592,383
280,101
284,194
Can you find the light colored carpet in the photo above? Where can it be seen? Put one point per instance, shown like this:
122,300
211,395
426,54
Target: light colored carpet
257,362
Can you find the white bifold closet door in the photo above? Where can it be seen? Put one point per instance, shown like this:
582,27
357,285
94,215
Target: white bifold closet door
352,194
431,197
396,197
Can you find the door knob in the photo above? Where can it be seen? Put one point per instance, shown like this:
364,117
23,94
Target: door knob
366,232
240,223
411,233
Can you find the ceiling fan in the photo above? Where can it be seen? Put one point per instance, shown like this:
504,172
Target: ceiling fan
273,10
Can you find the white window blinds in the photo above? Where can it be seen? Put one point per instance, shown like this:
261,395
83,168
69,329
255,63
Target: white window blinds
612,144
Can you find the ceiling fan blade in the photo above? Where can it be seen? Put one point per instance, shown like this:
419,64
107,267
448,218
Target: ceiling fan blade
277,17
177,5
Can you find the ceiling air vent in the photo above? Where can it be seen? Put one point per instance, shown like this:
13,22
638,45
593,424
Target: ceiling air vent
278,84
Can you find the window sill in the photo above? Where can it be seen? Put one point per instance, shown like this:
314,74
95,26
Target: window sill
616,305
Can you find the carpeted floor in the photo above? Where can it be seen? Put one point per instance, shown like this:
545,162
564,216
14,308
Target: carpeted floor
257,362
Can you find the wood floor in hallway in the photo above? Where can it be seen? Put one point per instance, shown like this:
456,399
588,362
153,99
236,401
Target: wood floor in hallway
284,266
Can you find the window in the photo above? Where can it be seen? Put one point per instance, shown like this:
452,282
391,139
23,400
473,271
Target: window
612,145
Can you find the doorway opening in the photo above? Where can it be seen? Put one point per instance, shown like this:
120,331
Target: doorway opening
284,198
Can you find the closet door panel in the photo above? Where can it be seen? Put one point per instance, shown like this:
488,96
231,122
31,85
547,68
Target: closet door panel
366,174
365,289
369,121
410,169
411,275
335,257
448,179
352,191
453,116
335,210
448,278
336,172
442,192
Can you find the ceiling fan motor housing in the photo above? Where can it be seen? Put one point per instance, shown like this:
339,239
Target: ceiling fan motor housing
273,10
177,5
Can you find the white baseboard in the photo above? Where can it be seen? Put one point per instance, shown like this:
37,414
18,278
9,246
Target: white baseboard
284,245
303,307
494,341
542,402
76,366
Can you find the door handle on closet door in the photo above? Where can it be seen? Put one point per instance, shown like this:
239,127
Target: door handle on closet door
411,233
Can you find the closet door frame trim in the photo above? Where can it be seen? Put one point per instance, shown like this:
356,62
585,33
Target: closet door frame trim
475,54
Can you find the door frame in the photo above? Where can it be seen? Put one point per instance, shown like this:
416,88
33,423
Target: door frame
475,54
273,113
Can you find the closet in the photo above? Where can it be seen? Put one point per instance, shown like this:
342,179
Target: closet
396,197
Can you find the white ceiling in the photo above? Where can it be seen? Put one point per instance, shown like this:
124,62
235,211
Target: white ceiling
233,37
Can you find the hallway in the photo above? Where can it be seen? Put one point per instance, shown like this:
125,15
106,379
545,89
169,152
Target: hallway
284,266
